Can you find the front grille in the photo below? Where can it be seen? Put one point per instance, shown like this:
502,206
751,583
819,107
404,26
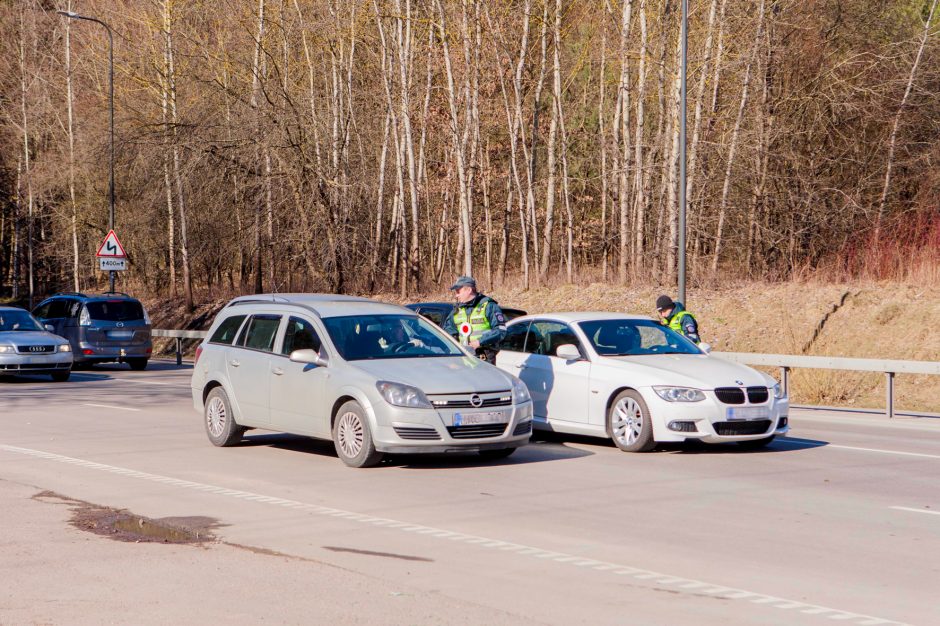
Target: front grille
416,432
35,349
477,431
466,404
755,427
757,395
730,395
522,429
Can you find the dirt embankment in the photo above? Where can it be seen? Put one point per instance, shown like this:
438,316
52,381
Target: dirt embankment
870,320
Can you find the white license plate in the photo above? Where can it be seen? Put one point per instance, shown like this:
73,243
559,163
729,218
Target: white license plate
120,334
748,413
473,419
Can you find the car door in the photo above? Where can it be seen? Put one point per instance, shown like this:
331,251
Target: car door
512,349
297,389
248,367
560,388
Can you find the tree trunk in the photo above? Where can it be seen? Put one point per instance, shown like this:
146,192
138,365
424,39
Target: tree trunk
71,132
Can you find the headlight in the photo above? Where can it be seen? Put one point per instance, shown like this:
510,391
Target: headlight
6,348
64,347
679,394
778,391
520,393
398,394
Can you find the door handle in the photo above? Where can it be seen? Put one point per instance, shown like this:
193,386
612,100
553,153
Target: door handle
277,371
234,363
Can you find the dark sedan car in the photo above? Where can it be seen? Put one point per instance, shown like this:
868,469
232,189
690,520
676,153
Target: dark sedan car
435,311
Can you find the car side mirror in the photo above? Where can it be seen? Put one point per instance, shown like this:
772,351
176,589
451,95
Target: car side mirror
50,328
309,356
568,352
705,347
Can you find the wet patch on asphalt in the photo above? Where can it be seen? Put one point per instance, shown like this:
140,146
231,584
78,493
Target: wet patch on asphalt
388,555
121,525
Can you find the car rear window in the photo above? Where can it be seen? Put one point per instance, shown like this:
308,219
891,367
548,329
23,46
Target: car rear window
115,310
227,330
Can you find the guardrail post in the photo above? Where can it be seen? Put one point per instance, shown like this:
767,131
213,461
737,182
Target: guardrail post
889,393
179,350
785,380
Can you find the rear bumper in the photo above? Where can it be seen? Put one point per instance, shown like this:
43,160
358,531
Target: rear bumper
101,354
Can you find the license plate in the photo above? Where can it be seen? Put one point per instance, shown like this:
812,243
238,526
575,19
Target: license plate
748,413
473,419
120,334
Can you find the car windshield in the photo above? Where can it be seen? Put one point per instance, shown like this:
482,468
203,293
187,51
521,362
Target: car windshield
635,337
18,320
115,310
359,337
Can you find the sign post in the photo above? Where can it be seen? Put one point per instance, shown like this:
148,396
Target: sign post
111,256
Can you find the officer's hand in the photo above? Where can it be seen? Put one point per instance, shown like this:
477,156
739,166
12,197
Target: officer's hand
474,344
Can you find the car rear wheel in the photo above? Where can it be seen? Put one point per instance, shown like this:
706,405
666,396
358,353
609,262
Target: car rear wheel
220,420
756,444
61,377
137,364
352,437
629,423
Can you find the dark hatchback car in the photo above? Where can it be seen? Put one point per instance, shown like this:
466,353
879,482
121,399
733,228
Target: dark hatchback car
101,328
436,311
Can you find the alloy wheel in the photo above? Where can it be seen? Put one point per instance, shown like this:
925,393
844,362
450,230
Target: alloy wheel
628,421
350,434
216,416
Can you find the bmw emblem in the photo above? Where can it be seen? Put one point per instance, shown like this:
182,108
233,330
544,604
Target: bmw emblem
739,382
476,401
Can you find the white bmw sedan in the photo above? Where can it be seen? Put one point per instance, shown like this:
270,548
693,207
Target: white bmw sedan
630,379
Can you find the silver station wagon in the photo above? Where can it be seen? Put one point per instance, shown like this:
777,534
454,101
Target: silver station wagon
28,348
374,378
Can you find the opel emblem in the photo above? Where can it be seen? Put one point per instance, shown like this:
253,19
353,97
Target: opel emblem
739,382
476,401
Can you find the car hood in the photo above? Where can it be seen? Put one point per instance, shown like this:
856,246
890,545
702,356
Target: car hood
30,338
701,371
439,375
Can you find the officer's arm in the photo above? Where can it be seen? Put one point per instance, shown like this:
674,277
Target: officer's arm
690,327
447,323
493,337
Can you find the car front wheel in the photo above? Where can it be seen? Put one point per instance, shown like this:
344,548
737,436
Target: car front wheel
137,364
629,423
221,427
61,377
352,437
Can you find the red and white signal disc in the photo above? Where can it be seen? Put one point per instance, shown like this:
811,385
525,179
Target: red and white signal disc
465,329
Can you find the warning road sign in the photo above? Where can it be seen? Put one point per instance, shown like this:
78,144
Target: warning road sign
111,247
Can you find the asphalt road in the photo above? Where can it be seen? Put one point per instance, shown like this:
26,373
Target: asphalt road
840,522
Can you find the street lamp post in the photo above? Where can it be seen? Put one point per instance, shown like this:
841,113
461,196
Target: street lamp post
75,16
682,151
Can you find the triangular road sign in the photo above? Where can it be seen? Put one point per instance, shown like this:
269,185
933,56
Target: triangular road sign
111,247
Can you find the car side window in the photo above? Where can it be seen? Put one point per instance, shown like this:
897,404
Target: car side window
42,311
57,309
300,335
225,333
435,315
547,336
259,332
73,308
514,341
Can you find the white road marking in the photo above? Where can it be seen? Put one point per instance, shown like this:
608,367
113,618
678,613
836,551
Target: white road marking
110,406
912,510
519,549
804,444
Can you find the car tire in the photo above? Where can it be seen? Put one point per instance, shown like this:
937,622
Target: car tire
352,437
494,455
629,424
138,365
221,427
756,444
61,377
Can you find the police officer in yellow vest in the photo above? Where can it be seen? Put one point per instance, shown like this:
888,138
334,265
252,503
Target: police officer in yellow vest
476,321
674,315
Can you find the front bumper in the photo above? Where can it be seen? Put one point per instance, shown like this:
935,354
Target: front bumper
407,431
34,364
712,421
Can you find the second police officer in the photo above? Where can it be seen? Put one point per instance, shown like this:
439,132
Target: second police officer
476,320
674,315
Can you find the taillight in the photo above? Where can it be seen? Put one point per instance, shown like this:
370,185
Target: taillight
198,352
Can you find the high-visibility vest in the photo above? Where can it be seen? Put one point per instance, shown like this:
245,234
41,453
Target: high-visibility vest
472,328
676,322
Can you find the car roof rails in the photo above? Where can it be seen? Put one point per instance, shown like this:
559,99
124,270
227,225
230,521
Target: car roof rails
115,293
69,293
258,299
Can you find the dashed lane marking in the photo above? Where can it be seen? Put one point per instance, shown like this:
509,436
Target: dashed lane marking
110,406
807,444
913,510
692,586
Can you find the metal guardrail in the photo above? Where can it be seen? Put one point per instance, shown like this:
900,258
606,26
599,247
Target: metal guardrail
180,335
785,362
888,367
